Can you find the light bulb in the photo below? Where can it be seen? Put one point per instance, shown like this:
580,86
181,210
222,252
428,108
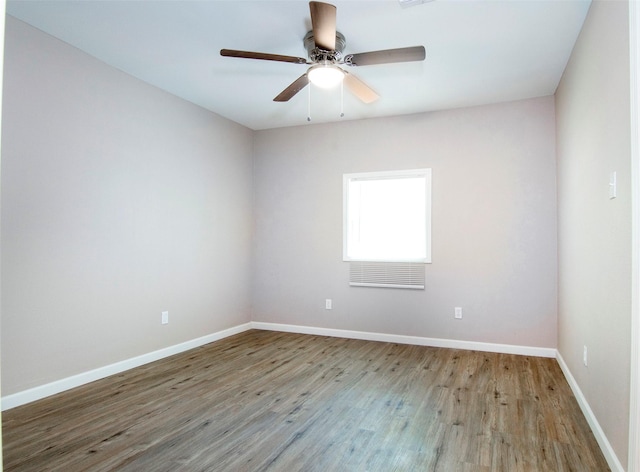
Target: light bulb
325,75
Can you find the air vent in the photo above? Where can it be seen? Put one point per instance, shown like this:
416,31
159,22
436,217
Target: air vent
387,274
411,3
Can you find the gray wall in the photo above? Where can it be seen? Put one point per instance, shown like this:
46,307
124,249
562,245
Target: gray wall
494,224
593,131
119,201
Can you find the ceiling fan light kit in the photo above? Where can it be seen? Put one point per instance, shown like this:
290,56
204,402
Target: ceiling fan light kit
325,75
324,46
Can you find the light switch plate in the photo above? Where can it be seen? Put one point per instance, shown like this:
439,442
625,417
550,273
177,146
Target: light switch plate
613,185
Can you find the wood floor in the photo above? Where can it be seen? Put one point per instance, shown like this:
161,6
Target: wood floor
269,401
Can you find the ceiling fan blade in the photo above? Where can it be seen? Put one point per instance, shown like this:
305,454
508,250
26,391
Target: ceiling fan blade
359,88
323,22
262,55
288,93
387,56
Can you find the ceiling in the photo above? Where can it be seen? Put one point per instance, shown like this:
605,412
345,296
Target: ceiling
478,51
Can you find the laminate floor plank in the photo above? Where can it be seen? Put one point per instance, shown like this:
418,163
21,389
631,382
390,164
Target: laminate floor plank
268,401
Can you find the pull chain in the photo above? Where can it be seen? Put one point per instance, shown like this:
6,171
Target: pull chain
341,101
309,104
341,98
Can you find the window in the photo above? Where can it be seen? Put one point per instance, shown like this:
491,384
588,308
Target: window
387,216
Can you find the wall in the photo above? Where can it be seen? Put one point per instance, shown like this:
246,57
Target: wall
119,201
494,224
592,105
3,6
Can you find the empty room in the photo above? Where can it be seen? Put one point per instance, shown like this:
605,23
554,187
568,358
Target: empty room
394,235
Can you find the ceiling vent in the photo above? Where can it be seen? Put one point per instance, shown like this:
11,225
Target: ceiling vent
412,3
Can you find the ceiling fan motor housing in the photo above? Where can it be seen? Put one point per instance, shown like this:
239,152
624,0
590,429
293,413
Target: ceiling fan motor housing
320,55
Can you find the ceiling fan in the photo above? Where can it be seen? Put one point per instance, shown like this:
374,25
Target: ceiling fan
325,46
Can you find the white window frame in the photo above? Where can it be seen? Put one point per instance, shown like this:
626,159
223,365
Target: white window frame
396,174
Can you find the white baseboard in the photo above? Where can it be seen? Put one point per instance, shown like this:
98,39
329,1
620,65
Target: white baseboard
37,393
43,391
417,340
603,442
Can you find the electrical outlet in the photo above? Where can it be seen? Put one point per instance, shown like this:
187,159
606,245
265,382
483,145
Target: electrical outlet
328,304
584,356
457,314
165,317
